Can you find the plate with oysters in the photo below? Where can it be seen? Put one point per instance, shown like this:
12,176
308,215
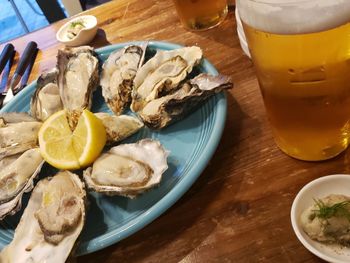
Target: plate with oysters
163,111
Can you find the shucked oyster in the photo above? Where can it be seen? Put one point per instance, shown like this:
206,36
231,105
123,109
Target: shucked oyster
46,99
77,79
119,127
118,74
51,223
17,173
162,74
18,133
162,111
14,117
128,169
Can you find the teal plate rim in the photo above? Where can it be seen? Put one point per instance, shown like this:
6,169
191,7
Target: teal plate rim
181,186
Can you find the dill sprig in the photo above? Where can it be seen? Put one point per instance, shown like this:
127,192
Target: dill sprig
337,210
76,23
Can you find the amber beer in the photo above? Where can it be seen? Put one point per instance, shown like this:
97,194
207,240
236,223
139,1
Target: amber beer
201,14
304,78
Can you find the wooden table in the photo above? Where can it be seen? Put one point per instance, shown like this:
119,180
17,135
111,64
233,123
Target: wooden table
239,208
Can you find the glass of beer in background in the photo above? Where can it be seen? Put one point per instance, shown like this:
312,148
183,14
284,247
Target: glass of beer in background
201,14
301,54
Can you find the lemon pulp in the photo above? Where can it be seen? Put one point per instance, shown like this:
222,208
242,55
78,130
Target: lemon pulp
66,149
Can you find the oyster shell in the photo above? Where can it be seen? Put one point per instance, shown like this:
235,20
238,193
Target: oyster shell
16,177
51,223
14,117
119,127
160,112
128,169
162,74
18,133
118,74
77,79
46,99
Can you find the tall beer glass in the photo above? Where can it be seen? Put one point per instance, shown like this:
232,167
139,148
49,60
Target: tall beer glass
301,54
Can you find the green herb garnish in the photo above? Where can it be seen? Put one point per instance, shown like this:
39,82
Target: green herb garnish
337,210
77,23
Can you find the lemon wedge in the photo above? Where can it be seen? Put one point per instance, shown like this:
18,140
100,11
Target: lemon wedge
66,149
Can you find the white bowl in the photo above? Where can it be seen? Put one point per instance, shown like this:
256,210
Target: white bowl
83,37
320,188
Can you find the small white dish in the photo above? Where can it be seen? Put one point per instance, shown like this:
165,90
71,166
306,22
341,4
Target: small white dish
84,36
317,189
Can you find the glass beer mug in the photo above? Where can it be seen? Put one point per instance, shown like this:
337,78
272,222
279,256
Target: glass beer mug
301,54
201,14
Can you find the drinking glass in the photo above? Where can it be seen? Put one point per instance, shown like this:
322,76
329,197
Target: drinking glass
201,14
301,54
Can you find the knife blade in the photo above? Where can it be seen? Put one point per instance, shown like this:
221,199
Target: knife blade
6,73
26,74
22,65
5,77
5,55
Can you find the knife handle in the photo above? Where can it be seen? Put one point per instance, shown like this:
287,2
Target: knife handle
5,55
25,58
26,74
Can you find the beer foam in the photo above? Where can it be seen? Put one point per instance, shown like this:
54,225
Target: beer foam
294,16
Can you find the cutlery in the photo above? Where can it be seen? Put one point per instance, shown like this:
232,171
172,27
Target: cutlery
23,63
5,55
6,60
6,73
26,74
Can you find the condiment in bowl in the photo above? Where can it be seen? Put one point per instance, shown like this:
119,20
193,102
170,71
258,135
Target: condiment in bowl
315,197
78,31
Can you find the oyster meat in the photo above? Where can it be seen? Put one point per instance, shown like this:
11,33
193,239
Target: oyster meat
14,117
18,133
46,99
119,127
160,112
118,74
77,79
162,74
128,169
51,223
16,177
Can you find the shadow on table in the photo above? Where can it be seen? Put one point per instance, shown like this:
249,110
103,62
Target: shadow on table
100,39
191,221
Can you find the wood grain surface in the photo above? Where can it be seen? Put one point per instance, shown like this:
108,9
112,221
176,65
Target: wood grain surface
239,208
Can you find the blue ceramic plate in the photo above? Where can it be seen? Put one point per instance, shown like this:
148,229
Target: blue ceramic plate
191,142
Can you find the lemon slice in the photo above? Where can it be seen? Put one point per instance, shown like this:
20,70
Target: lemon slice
66,149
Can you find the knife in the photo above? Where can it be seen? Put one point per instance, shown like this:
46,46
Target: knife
26,74
5,55
6,73
22,65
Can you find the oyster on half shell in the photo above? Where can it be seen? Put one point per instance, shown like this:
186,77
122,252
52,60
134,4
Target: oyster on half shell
160,112
17,173
46,99
162,74
18,133
118,73
128,169
77,79
14,117
119,127
51,222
